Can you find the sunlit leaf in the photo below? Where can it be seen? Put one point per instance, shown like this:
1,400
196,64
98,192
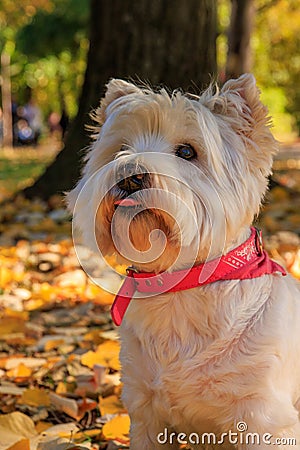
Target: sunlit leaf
111,405
117,428
107,354
21,371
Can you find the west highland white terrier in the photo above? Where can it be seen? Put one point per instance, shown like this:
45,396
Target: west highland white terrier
210,326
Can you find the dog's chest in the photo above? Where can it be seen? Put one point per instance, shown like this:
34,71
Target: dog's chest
192,359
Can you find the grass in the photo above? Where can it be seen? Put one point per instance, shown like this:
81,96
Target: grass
20,166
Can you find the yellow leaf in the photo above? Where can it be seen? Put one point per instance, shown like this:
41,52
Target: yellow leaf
110,351
121,269
6,276
61,388
107,354
46,291
53,343
295,268
94,336
111,405
35,397
23,315
10,325
33,304
23,444
89,359
21,371
104,298
117,428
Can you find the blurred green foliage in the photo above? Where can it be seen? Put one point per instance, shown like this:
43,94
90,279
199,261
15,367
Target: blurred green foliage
48,43
275,46
276,49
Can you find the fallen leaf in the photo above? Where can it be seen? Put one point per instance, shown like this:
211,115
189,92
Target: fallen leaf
12,363
21,371
111,405
23,444
107,354
62,430
117,428
11,325
35,397
67,405
10,389
41,426
15,427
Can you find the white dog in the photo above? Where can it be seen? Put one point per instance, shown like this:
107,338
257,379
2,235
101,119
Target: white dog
211,340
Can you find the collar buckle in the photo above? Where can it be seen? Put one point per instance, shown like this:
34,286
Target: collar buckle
131,270
259,242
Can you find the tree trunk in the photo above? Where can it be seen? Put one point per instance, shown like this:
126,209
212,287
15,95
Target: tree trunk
168,42
6,101
239,58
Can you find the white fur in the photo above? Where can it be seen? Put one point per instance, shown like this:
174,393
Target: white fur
204,359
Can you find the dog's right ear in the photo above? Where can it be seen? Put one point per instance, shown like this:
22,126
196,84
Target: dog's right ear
115,89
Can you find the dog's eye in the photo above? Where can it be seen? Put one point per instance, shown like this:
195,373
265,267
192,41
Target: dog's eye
185,151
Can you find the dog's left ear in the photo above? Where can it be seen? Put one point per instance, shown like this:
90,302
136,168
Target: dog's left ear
239,98
239,104
115,89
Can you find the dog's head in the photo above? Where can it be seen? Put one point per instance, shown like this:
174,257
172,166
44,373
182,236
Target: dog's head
173,179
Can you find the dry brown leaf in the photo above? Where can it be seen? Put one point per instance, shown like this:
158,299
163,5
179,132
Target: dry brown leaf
67,405
9,325
23,444
15,427
41,426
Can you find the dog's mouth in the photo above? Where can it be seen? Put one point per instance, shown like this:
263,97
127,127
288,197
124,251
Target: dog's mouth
127,202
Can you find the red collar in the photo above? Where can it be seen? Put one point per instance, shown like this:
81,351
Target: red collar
248,260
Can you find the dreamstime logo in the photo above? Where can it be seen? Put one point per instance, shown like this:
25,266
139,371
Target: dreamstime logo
178,189
241,436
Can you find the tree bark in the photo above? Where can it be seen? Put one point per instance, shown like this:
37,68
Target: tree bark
161,42
239,58
6,101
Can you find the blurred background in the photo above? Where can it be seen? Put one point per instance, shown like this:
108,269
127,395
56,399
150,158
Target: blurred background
57,56
58,347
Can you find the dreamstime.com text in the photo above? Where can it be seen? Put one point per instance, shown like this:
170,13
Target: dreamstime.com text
239,437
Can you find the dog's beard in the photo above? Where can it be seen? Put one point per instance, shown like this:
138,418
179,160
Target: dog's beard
148,238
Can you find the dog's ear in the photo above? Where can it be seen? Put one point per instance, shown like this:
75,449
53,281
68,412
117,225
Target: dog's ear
115,89
238,98
239,104
243,95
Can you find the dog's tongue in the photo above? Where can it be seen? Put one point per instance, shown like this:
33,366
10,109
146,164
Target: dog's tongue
126,202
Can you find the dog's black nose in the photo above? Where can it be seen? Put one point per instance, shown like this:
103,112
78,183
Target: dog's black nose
132,178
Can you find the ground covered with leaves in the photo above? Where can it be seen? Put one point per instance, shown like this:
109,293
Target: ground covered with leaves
59,364
59,351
